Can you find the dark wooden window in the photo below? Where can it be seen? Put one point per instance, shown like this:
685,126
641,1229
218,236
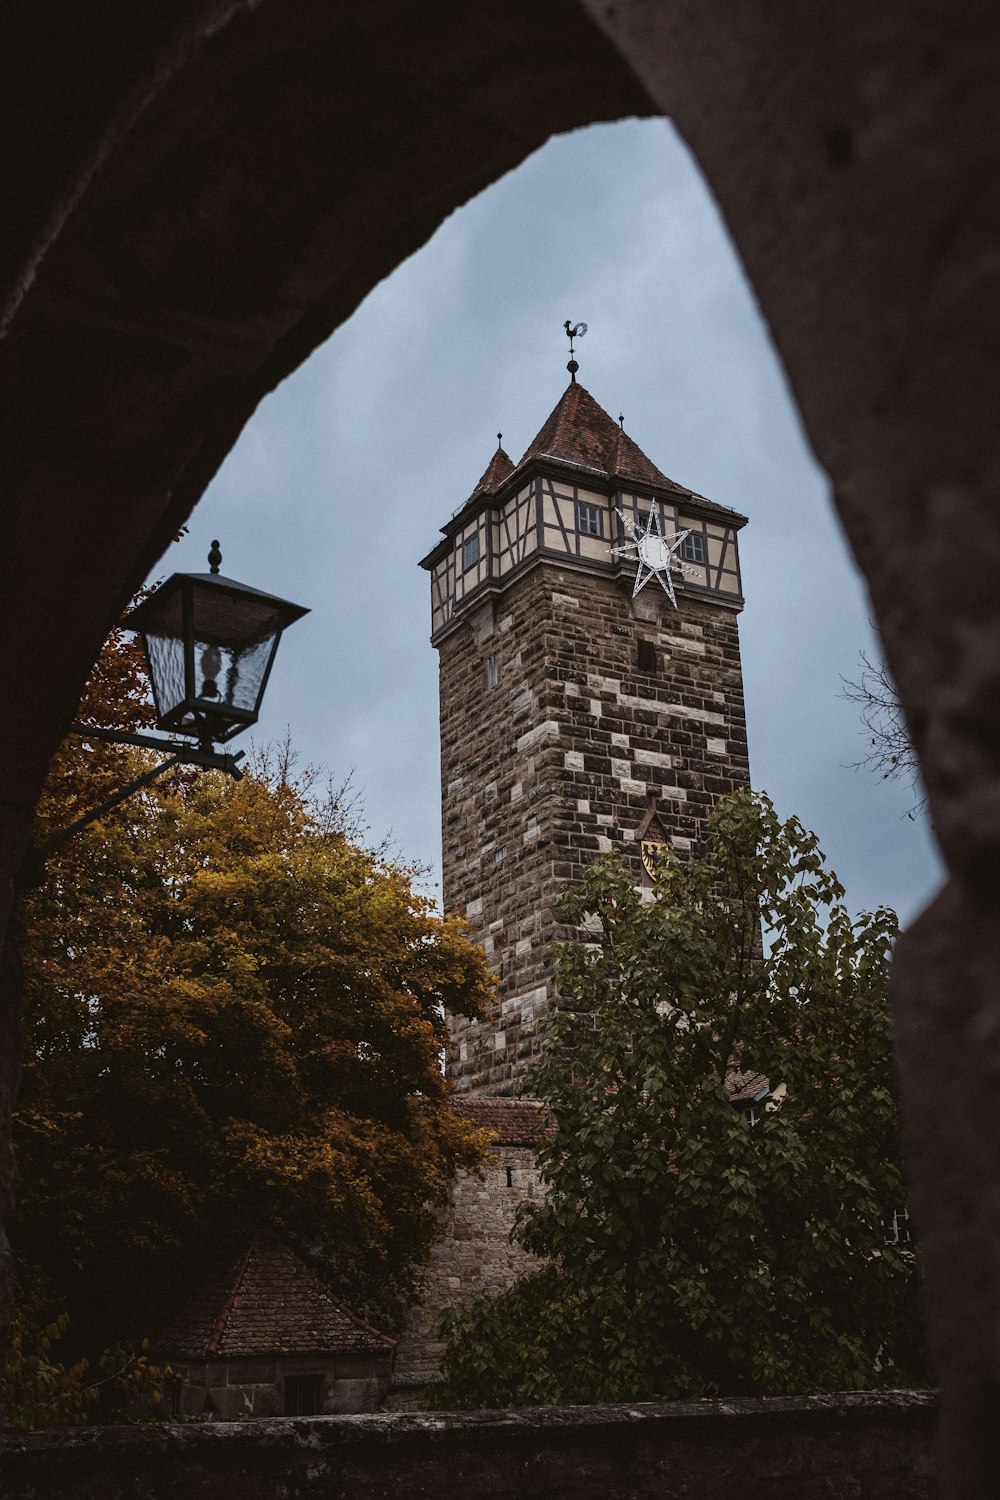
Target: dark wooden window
645,656
693,547
470,551
589,521
303,1395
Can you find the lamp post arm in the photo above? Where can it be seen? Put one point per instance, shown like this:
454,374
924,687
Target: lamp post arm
41,852
190,755
181,754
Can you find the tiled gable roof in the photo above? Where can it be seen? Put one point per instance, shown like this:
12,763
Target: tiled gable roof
512,1122
268,1302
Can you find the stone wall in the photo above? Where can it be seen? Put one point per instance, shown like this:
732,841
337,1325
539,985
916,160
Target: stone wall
560,761
243,1387
858,1447
475,1252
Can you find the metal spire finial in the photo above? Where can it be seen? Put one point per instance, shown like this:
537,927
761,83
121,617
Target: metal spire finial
621,421
215,558
572,333
499,439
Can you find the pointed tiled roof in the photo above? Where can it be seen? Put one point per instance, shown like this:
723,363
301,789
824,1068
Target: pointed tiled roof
267,1302
579,431
496,472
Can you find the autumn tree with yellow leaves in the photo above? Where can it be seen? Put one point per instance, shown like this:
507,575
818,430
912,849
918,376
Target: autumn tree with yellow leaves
233,1020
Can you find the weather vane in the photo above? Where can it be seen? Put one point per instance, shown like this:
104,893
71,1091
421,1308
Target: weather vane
573,332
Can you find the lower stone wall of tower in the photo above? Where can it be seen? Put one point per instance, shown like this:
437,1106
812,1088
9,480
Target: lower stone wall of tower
475,1252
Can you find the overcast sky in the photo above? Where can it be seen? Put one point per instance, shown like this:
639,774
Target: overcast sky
339,484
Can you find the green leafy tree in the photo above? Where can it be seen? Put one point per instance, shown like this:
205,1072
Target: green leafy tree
233,1020
686,1251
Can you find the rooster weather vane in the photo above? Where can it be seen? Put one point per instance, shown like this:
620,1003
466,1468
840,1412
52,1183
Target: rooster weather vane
573,331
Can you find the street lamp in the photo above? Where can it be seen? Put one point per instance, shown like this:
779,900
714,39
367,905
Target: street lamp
210,644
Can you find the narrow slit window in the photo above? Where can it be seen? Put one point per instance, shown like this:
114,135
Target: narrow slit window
645,656
492,672
510,1176
588,519
470,551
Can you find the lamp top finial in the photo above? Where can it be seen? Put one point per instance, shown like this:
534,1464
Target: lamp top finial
215,558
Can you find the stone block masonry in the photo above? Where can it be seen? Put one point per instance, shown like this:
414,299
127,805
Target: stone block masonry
475,1252
562,759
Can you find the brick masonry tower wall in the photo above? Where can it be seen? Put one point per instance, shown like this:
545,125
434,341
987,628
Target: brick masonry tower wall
562,759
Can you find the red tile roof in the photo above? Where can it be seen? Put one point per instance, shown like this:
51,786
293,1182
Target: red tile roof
513,1122
268,1302
579,431
495,473
744,1087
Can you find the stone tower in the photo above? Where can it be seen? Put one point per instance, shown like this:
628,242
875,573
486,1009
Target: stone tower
584,607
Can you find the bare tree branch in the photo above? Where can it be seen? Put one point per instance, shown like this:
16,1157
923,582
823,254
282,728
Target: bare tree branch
890,754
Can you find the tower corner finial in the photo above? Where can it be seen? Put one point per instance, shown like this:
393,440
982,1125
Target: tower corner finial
215,558
621,421
499,440
573,332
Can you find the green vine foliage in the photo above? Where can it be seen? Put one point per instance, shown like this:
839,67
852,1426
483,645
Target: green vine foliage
686,1252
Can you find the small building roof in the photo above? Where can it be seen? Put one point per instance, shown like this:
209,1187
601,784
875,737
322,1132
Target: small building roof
266,1302
745,1088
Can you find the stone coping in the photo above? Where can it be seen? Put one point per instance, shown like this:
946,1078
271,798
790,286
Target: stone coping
389,1428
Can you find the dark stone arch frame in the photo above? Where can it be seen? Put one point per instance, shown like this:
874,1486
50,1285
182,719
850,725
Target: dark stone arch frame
200,197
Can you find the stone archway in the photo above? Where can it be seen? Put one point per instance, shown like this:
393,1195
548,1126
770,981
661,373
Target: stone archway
198,201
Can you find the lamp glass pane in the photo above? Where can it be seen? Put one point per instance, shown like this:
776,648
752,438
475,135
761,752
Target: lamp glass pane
166,667
234,642
225,677
164,641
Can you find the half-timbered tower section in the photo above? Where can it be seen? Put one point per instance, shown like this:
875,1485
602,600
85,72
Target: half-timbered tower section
584,607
